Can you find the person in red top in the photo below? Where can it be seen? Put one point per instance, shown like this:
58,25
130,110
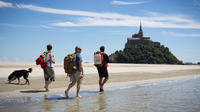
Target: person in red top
102,69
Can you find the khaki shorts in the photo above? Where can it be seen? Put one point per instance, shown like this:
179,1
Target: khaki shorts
76,77
49,74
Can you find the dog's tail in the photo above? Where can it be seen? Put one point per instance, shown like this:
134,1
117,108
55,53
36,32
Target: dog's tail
30,70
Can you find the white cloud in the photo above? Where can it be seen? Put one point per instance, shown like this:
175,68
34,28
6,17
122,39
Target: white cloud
126,3
155,16
90,21
116,19
17,25
71,12
88,18
182,34
5,4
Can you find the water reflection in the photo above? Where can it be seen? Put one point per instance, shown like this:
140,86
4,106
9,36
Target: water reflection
47,105
72,105
101,102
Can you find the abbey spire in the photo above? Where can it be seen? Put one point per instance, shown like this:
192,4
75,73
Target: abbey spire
140,33
139,38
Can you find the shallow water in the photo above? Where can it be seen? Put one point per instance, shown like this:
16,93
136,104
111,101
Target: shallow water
168,96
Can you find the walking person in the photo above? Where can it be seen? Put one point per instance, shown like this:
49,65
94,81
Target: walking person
78,75
102,69
49,74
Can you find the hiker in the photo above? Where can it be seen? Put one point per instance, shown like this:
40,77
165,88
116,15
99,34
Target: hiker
78,75
102,69
49,74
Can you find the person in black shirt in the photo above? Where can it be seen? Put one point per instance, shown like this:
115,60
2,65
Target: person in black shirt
102,69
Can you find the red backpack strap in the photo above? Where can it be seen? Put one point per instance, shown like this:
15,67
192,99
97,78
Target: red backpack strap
102,59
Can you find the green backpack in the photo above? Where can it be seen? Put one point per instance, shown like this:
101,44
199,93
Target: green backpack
70,64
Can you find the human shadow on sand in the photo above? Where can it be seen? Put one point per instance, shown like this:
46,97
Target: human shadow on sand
32,91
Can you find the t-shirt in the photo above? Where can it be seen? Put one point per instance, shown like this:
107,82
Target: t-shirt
78,59
105,58
50,64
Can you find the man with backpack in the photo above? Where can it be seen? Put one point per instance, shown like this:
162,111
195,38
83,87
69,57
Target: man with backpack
46,61
49,73
73,67
102,69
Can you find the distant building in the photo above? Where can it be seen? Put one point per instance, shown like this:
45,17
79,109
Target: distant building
138,39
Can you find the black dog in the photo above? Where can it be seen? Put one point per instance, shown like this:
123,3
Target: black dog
18,74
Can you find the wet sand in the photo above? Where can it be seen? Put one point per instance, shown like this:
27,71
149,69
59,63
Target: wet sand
119,75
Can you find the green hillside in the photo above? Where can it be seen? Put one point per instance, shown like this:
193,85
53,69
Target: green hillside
145,54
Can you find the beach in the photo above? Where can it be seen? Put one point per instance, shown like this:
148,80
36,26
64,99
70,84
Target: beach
119,75
131,87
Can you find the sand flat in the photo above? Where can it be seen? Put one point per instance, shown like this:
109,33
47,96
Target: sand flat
119,75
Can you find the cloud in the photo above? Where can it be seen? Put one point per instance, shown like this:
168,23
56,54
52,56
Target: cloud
182,34
126,3
5,4
71,12
90,21
17,25
155,16
115,19
88,18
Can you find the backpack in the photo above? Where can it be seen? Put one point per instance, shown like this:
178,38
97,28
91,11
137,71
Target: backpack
41,60
70,64
102,61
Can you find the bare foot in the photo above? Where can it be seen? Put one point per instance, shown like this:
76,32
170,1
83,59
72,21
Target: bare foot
46,89
78,96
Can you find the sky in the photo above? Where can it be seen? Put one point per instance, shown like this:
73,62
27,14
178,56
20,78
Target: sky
27,26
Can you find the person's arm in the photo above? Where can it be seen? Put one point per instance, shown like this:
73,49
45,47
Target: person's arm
52,58
81,67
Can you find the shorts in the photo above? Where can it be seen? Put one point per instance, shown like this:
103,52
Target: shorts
103,72
76,77
49,74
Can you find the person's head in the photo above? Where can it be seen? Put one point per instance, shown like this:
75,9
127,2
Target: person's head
49,47
77,49
102,48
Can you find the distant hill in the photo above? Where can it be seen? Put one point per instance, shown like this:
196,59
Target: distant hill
144,54
141,49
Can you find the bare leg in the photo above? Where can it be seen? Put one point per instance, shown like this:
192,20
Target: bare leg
104,81
69,87
78,89
100,82
47,86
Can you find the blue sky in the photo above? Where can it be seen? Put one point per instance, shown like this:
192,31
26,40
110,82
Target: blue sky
27,26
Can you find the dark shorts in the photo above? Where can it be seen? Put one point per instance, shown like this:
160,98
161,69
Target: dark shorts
103,72
49,74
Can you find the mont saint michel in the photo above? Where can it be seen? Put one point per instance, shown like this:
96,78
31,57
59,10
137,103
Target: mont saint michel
138,39
141,49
